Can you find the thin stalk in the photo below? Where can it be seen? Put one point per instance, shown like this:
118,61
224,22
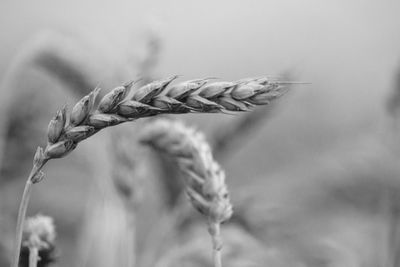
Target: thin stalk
217,258
215,231
33,256
22,213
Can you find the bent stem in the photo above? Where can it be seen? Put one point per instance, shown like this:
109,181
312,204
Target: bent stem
22,213
33,256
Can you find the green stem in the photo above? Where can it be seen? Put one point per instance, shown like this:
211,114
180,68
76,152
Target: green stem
22,213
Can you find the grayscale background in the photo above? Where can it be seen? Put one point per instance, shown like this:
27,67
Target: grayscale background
315,179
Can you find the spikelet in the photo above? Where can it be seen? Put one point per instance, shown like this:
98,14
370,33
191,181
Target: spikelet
56,125
82,109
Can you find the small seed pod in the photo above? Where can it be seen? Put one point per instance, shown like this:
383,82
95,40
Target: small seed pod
83,108
79,133
201,104
167,103
56,125
80,111
244,91
232,104
60,149
39,156
134,109
100,121
264,98
110,100
216,89
184,89
146,93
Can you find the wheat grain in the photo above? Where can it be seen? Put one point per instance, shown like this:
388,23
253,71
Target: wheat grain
155,98
204,178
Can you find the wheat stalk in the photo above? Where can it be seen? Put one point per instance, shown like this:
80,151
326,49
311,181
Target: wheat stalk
118,106
127,173
204,178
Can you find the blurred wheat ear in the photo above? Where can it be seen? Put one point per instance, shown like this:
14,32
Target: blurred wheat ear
204,178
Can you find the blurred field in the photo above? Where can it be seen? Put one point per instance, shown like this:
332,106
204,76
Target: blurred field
318,180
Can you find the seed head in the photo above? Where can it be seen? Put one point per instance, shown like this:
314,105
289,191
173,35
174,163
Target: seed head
204,178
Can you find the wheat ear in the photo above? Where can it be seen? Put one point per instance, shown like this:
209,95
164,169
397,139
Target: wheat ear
118,106
204,178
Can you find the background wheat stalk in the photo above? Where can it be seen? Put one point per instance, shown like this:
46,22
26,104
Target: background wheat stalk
204,178
127,174
119,106
38,241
